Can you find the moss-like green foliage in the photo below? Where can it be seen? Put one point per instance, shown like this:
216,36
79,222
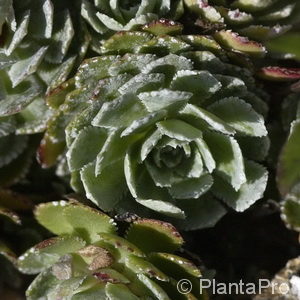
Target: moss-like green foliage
89,260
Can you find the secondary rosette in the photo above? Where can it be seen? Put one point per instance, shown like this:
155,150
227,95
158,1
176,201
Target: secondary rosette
107,17
259,19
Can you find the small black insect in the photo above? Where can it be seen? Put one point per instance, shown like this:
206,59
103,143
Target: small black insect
127,217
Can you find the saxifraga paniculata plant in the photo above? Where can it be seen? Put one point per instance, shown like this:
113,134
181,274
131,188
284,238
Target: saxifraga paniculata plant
161,135
259,20
89,260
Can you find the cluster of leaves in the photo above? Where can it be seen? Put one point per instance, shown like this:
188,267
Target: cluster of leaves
89,260
258,19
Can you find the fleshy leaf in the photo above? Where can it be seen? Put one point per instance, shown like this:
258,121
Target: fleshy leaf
47,253
234,41
251,191
239,115
101,189
72,218
86,147
163,99
191,111
119,113
179,130
228,157
166,236
279,74
191,188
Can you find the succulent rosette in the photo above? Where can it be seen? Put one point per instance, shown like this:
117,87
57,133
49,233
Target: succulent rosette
87,259
258,19
162,134
107,17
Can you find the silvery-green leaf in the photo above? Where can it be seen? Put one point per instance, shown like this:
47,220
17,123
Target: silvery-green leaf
47,253
108,88
231,86
21,96
20,33
179,130
191,111
41,20
42,285
144,190
113,150
109,22
6,61
163,207
162,177
145,7
200,83
191,188
34,118
102,189
205,60
175,63
144,122
62,36
240,116
140,20
191,167
142,83
228,156
23,68
149,144
249,192
88,13
119,113
163,99
93,69
207,157
60,75
86,147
